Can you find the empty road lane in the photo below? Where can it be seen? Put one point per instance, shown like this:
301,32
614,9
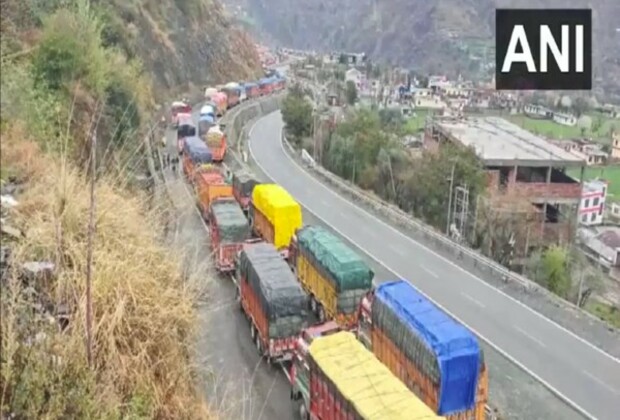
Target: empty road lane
577,371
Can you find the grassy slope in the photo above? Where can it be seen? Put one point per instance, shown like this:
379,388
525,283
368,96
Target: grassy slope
66,68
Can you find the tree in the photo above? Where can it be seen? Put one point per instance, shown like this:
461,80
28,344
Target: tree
566,272
580,106
297,115
351,92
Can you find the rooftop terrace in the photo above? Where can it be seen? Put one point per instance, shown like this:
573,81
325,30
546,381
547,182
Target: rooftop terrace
501,143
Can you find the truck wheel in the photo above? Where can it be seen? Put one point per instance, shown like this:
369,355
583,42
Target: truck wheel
303,413
313,304
321,314
258,346
252,332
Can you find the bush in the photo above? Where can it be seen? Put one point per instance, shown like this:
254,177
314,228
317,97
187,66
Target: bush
143,313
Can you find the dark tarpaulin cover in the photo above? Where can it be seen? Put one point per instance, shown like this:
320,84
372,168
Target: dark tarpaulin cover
197,150
186,130
204,123
230,220
273,281
432,340
244,182
335,260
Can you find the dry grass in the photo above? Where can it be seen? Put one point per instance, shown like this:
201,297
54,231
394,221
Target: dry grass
144,313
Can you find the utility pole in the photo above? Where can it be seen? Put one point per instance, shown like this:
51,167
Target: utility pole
89,264
450,199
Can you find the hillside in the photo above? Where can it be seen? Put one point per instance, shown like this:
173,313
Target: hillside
177,41
414,33
75,72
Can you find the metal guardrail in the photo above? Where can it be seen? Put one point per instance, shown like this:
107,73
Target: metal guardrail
479,261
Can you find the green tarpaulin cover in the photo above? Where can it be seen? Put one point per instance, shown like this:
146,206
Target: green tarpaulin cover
230,220
343,266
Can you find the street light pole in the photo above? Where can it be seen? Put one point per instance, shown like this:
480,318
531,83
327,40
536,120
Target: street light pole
450,199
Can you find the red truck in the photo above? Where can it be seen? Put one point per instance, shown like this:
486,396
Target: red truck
229,229
272,300
299,372
210,186
178,107
345,381
243,184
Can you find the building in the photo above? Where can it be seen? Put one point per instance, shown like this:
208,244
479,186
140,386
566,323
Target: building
602,245
520,166
355,76
564,119
592,206
615,146
591,152
537,111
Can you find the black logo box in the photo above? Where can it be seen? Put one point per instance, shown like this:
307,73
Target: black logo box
519,78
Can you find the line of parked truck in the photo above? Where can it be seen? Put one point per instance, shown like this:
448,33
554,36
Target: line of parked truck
353,350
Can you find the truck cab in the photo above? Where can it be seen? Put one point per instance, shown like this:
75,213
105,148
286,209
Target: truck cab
299,372
364,324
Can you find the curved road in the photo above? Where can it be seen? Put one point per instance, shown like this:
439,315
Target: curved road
572,368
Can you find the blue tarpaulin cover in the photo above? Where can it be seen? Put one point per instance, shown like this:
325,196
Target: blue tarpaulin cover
457,350
197,150
208,118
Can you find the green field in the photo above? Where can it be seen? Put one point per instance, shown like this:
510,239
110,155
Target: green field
609,173
552,129
415,124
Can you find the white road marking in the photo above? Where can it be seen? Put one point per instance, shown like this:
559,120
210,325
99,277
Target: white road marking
476,301
489,342
420,245
429,271
530,336
600,382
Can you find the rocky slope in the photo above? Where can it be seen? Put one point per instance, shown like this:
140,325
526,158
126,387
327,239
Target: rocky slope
178,41
436,36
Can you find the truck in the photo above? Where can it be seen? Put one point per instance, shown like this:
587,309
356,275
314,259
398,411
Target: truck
195,154
216,140
233,94
243,185
229,229
436,357
209,92
178,107
185,128
299,370
252,90
274,215
205,122
348,382
243,94
221,101
272,300
210,186
265,86
209,108
335,277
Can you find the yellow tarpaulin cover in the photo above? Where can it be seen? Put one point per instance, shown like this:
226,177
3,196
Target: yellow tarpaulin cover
282,211
365,382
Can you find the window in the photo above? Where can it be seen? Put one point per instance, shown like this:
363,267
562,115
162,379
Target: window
584,218
593,217
600,210
586,204
595,202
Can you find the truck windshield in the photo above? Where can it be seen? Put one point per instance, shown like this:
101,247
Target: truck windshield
288,326
349,300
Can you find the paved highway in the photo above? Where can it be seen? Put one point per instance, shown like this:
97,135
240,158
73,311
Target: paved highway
238,384
571,367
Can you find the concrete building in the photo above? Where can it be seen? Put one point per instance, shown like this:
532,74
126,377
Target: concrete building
592,206
565,119
587,150
615,146
520,167
355,76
